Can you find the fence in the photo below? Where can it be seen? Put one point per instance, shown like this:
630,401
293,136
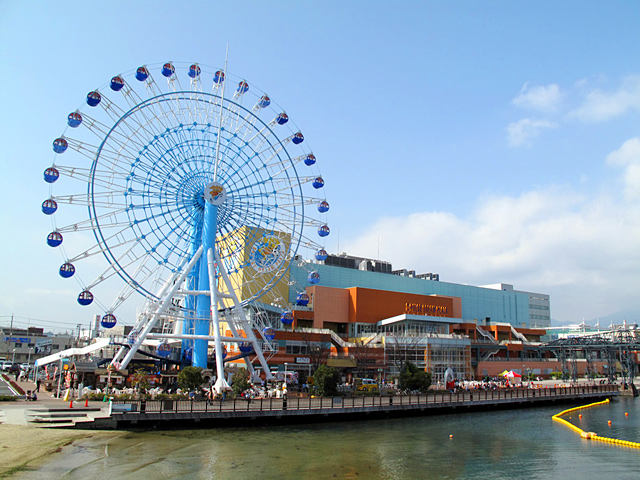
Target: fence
440,398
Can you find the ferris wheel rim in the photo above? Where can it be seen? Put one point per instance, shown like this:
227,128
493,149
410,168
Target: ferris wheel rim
295,228
182,95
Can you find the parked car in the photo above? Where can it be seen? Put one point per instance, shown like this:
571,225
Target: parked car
6,365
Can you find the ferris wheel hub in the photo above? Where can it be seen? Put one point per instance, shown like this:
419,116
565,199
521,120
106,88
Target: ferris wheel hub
215,193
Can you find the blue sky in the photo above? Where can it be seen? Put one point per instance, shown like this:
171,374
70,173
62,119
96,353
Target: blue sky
486,141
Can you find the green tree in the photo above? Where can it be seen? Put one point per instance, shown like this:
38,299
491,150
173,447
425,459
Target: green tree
240,381
139,381
190,378
412,378
326,380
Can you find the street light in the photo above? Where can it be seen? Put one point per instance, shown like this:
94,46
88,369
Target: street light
29,357
13,358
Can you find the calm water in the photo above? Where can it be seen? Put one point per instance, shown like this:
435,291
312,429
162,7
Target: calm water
508,444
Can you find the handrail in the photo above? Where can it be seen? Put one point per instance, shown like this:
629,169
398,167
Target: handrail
442,398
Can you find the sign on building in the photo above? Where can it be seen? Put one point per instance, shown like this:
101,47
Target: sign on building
44,347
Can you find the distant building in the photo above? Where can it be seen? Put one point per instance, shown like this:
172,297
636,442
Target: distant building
26,345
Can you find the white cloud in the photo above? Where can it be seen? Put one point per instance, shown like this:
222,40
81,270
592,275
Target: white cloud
523,131
599,106
628,158
539,98
581,250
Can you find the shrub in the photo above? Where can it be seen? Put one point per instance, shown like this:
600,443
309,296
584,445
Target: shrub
240,381
190,378
326,380
412,378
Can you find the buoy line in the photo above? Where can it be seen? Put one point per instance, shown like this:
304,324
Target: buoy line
592,435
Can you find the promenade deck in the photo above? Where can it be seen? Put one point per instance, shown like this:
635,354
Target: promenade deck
270,411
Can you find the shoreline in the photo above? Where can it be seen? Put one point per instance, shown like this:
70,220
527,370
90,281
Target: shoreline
26,448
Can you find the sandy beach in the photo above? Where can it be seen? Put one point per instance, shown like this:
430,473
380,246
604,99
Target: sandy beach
25,448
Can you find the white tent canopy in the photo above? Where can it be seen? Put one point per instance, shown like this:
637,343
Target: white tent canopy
56,357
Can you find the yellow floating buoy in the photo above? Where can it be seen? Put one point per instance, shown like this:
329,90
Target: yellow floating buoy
626,414
450,436
580,416
609,422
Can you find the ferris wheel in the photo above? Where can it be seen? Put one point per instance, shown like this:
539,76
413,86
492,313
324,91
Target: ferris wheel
198,191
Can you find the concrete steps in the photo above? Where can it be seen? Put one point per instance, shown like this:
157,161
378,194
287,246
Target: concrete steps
60,417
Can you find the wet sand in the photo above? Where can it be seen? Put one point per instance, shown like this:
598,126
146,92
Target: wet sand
25,448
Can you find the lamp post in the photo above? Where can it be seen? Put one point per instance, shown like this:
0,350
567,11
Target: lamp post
13,358
285,372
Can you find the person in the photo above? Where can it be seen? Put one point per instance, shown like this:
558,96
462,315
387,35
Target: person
38,385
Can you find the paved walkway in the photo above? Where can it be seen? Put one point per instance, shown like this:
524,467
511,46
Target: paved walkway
15,412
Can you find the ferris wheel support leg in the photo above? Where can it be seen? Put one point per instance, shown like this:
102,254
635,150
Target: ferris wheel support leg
204,303
248,331
163,307
221,384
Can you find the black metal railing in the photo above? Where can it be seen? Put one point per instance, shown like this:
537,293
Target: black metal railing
436,398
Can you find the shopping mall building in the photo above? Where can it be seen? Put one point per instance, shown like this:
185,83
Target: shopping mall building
366,319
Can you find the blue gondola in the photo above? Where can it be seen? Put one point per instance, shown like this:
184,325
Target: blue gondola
298,138
310,160
318,183
67,270
218,78
109,320
117,83
93,98
287,317
54,239
142,74
269,333
324,231
264,101
163,350
74,119
168,69
243,87
85,298
60,145
194,71
323,206
313,277
245,347
49,206
51,174
302,299
321,255
282,118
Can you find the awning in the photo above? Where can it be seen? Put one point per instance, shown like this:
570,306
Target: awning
56,357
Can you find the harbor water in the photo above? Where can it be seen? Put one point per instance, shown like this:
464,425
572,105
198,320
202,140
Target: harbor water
521,443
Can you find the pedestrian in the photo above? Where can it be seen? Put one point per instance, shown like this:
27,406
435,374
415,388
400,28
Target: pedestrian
38,385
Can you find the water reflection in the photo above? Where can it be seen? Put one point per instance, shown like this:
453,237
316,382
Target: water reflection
506,444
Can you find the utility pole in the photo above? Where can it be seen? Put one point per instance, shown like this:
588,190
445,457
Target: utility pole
10,335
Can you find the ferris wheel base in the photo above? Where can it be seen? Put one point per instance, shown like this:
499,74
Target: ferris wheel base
221,385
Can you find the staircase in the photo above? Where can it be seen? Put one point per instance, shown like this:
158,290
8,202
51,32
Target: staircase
486,335
63,417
